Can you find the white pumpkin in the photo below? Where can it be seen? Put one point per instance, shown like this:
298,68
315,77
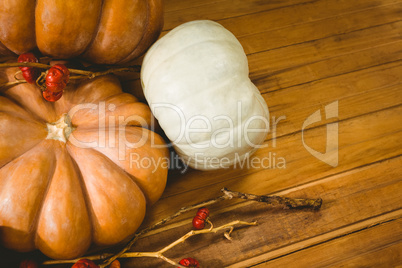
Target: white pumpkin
196,82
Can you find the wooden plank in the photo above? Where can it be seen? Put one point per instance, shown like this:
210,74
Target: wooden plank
325,17
335,67
361,248
325,57
293,23
282,12
358,93
381,142
373,189
218,10
386,256
338,25
179,5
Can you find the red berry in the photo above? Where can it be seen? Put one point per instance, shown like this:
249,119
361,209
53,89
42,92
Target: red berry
85,263
28,264
57,78
29,73
189,262
203,213
52,96
115,264
198,222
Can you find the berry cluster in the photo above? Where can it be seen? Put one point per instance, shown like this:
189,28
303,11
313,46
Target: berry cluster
57,77
189,262
198,223
56,80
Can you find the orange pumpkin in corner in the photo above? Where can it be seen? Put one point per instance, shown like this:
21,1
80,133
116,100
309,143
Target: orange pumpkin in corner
99,31
76,173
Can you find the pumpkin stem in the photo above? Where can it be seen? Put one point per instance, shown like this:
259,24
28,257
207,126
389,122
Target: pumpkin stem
60,130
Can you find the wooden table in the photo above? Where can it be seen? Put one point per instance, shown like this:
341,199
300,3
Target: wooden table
304,56
328,70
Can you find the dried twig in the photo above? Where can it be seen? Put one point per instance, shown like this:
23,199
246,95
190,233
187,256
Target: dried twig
88,74
228,194
10,84
81,74
273,200
159,254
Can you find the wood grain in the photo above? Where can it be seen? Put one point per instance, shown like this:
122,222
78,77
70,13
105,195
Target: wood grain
281,232
304,55
370,246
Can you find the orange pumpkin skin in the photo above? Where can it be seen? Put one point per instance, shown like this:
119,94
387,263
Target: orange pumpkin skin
64,197
100,31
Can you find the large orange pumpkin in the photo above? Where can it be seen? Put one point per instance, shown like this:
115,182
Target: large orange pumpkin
77,172
100,31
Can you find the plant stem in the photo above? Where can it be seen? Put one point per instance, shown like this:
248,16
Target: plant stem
41,66
92,258
132,69
89,74
275,200
25,64
9,84
227,195
163,221
159,254
80,73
